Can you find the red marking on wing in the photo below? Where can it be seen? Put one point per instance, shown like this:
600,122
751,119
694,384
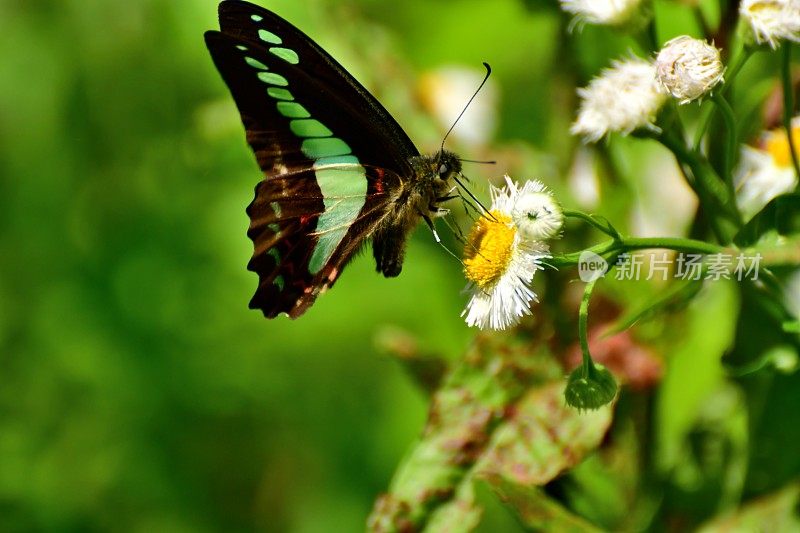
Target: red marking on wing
379,181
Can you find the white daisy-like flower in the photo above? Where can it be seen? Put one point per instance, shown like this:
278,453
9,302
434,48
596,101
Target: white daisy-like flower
608,12
772,21
687,68
767,171
623,98
500,260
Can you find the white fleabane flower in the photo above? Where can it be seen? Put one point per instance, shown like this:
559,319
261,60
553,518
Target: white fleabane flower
608,12
765,172
687,68
772,21
622,98
500,262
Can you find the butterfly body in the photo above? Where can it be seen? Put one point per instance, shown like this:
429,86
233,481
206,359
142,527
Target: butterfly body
338,170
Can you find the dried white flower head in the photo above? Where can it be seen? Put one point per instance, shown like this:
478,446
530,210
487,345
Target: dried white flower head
535,212
608,12
500,261
771,21
623,98
687,68
765,172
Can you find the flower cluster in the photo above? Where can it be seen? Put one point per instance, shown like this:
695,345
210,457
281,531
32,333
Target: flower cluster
504,249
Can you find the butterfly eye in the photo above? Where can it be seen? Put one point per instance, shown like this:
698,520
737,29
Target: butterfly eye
443,170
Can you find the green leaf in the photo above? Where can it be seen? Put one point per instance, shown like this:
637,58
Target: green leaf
775,512
781,216
694,371
536,510
543,438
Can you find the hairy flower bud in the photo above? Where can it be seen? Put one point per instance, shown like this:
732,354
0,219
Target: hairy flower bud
687,68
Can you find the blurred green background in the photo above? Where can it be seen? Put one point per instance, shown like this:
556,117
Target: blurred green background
137,391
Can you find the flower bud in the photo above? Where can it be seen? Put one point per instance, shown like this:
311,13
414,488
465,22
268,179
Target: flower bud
591,391
536,213
688,68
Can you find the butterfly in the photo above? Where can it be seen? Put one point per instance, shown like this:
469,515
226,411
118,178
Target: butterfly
339,172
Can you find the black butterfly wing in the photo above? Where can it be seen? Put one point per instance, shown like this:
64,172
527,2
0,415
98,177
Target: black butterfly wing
331,154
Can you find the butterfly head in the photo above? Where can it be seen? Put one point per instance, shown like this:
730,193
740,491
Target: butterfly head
447,165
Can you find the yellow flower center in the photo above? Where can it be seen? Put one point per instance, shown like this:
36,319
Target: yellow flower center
489,248
777,144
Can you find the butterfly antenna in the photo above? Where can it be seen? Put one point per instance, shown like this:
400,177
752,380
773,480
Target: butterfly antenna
479,162
474,198
486,77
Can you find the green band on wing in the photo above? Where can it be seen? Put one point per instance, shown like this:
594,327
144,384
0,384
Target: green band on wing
290,56
325,147
336,160
292,110
255,63
276,207
344,192
274,228
269,37
275,254
280,94
272,78
278,281
256,18
241,47
308,127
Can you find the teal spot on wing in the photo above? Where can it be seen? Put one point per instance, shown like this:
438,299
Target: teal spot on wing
256,18
344,193
241,47
336,160
292,110
269,37
325,147
272,78
255,63
308,127
280,94
275,254
290,56
278,281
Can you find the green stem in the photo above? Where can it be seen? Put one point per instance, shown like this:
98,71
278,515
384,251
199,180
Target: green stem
600,223
731,146
583,328
736,64
701,21
627,244
788,101
712,193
